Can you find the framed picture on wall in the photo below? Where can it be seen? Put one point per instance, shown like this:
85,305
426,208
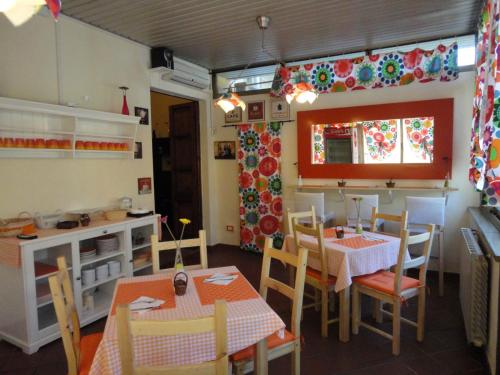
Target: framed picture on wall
234,116
138,150
144,185
280,109
256,111
225,150
143,113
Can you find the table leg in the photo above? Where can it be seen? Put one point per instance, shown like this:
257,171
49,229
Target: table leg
344,308
261,358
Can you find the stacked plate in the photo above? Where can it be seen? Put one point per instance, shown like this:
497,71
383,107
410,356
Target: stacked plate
107,244
87,254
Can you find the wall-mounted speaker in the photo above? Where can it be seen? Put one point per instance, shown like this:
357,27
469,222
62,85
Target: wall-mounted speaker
162,56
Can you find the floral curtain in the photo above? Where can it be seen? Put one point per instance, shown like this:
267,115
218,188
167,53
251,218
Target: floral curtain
371,72
261,207
381,137
420,136
319,144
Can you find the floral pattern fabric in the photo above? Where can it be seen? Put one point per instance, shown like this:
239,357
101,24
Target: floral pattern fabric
261,208
370,72
381,137
318,144
484,171
420,135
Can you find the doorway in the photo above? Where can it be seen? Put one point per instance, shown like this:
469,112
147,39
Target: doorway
176,161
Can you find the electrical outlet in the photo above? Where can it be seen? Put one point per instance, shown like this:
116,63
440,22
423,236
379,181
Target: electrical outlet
230,228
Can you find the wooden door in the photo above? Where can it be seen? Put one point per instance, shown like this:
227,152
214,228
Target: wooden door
185,158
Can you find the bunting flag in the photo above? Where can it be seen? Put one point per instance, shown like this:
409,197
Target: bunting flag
261,208
484,171
371,72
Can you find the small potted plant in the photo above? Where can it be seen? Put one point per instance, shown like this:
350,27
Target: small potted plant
341,183
390,184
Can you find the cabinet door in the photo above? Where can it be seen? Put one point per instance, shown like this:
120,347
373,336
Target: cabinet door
140,245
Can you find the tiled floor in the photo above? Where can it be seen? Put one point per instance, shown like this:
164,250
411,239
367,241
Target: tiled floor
443,352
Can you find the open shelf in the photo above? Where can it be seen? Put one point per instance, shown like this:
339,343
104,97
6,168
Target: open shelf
102,303
138,247
143,266
46,275
93,135
101,282
101,257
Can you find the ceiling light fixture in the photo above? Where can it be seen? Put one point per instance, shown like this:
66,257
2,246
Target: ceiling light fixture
302,90
230,100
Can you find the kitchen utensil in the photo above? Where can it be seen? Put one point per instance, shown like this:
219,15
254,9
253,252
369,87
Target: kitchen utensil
139,211
102,272
88,276
67,224
107,244
48,221
115,215
23,224
114,267
125,203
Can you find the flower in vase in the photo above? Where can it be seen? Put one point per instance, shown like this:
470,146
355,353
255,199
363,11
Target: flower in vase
185,221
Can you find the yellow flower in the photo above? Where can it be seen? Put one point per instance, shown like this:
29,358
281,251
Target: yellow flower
185,221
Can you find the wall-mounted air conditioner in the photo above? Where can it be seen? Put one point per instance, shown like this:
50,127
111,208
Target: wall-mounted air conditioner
187,74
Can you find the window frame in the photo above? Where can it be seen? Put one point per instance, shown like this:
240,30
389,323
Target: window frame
440,109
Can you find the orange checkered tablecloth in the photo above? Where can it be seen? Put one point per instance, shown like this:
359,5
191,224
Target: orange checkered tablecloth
249,321
239,290
357,242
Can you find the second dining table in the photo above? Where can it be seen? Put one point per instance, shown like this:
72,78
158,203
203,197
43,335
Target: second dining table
249,321
353,255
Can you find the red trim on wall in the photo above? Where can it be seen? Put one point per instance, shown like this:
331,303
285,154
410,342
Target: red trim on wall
441,110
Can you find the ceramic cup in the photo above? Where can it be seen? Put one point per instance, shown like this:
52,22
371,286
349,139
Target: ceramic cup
114,267
88,276
102,272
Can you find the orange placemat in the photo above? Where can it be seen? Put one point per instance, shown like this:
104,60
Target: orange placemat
239,290
159,289
357,242
329,232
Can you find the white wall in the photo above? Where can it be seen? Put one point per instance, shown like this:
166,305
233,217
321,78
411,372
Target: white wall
225,172
91,63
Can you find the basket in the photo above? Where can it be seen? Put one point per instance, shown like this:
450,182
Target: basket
23,224
180,285
115,215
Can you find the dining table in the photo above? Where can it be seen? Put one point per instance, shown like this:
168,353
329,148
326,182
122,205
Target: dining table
348,257
250,320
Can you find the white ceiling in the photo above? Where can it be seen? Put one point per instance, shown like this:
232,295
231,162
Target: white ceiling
223,34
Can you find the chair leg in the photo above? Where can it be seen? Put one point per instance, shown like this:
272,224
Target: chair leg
396,326
324,312
377,306
421,315
317,302
296,358
441,263
356,310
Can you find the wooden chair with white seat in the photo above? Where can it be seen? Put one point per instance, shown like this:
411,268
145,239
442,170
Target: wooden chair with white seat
127,328
394,288
157,247
80,350
243,361
319,280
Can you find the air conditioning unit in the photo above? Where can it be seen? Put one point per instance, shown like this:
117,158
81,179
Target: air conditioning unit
187,74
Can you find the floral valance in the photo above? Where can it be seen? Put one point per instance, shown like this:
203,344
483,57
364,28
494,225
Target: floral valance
484,171
371,72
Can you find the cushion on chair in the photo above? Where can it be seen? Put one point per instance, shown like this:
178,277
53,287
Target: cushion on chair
88,347
273,341
383,281
311,272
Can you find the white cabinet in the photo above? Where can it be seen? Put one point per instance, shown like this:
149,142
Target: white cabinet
27,317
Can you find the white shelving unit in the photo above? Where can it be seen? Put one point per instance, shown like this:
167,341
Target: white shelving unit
41,130
27,317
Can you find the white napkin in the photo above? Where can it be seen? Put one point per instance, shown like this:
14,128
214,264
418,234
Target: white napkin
220,279
145,303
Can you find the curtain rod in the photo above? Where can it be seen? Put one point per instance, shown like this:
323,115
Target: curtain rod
236,125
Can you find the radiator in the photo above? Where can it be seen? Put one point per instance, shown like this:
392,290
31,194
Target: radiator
473,289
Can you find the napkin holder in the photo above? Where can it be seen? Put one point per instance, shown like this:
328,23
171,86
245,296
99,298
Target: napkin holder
180,283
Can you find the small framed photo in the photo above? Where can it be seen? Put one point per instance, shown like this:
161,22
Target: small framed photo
143,113
144,185
234,116
225,150
138,150
280,109
256,111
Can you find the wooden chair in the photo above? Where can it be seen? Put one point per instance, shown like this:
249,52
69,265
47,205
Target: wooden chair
278,347
79,350
309,217
394,288
157,247
319,280
127,328
401,219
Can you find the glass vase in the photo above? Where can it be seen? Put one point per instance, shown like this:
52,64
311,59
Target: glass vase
359,227
179,265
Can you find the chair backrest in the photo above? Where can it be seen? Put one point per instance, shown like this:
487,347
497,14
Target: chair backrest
426,210
319,252
127,328
366,205
296,294
157,247
422,261
303,201
308,216
67,316
401,219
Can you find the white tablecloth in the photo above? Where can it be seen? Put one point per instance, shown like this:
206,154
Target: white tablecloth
346,263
